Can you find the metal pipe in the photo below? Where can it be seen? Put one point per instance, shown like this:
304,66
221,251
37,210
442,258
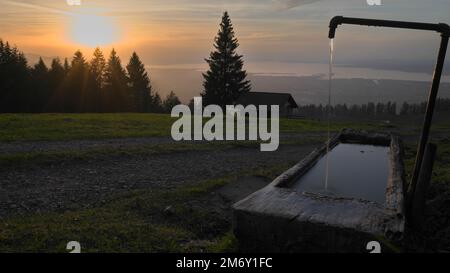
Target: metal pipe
340,20
441,28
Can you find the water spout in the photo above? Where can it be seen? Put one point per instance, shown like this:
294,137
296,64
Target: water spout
337,20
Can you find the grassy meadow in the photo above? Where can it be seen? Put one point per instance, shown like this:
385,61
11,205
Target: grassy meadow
175,220
55,127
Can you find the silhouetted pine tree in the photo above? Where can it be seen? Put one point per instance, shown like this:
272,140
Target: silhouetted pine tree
140,85
170,101
66,66
75,87
225,80
157,104
96,81
14,80
56,77
40,87
116,88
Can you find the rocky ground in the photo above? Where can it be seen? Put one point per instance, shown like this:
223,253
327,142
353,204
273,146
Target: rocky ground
76,184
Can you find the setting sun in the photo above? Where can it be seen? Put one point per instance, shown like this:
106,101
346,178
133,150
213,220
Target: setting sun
92,30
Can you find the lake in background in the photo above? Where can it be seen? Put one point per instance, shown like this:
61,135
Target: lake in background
308,82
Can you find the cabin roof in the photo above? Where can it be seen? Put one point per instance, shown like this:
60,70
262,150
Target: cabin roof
266,98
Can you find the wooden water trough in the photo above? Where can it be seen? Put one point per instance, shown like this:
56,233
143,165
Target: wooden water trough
283,218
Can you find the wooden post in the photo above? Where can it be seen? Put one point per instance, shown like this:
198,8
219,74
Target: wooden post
418,202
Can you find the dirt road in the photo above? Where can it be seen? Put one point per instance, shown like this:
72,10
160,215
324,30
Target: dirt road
69,185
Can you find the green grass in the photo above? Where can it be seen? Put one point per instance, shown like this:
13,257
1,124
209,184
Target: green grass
132,223
98,230
305,126
441,168
441,171
36,127
29,127
435,235
135,222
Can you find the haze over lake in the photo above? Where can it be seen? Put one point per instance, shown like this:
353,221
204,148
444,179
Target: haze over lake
308,83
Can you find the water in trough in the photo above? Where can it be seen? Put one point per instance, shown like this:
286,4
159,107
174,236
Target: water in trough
354,170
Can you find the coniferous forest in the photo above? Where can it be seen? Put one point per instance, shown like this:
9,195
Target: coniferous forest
78,85
371,110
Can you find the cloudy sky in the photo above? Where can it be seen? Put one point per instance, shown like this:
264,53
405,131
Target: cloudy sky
169,32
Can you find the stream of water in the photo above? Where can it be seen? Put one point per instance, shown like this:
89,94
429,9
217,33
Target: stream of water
350,170
330,78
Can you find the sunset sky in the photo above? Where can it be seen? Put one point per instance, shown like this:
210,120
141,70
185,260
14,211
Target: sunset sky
177,32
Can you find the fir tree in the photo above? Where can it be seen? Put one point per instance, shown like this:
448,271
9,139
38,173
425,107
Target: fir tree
75,87
41,88
157,104
170,101
14,80
66,66
116,88
225,80
96,80
56,73
97,67
56,76
139,83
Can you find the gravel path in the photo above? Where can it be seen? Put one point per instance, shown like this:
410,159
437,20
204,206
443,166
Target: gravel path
41,146
74,185
80,145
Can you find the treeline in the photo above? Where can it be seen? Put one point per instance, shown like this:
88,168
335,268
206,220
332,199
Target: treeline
78,85
371,110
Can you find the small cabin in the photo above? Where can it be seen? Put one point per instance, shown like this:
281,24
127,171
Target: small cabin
285,101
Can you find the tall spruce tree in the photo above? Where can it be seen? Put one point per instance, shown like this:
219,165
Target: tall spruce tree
41,87
140,85
157,104
14,80
75,89
118,98
66,66
96,81
56,76
171,101
225,80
